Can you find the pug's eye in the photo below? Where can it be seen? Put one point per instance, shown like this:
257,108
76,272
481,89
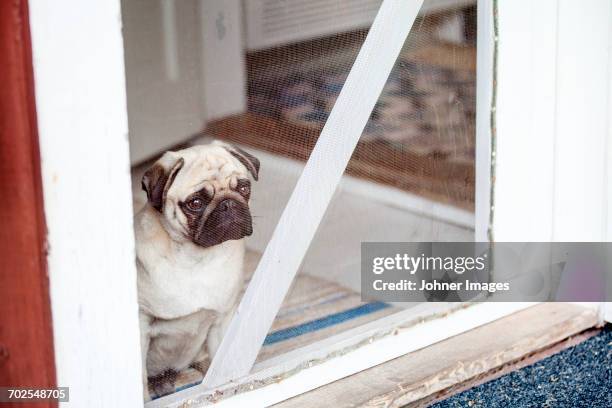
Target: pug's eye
245,190
195,204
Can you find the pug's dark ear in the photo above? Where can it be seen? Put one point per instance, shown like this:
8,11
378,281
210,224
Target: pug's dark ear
248,160
158,179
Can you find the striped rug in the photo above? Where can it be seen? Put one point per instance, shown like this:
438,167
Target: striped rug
313,310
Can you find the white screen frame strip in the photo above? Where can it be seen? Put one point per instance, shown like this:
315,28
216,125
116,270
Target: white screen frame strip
313,192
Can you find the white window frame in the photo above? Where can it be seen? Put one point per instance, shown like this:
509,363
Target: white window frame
79,80
82,118
553,141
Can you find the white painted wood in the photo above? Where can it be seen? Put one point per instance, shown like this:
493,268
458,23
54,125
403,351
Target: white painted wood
583,77
553,130
314,367
223,62
606,307
607,312
608,160
163,74
312,194
484,94
435,372
351,338
82,126
526,121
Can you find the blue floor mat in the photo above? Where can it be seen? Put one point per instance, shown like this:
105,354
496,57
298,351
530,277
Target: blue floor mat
580,376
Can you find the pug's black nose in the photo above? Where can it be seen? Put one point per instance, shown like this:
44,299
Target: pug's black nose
227,205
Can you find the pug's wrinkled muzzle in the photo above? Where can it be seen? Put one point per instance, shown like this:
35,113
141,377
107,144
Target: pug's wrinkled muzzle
230,220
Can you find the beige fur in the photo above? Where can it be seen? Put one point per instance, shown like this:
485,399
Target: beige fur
186,292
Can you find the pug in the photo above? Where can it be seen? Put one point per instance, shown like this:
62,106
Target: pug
190,251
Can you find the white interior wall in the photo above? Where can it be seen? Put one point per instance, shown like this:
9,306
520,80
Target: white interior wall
223,60
163,73
184,65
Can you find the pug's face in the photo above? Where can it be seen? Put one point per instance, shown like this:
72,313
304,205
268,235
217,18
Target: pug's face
203,192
